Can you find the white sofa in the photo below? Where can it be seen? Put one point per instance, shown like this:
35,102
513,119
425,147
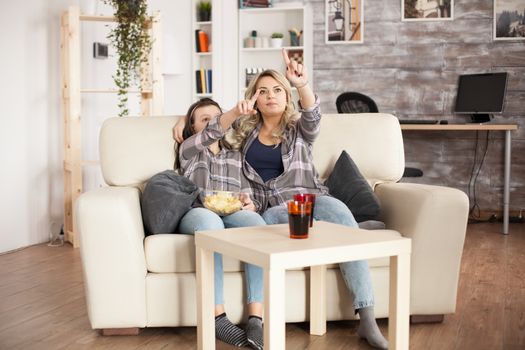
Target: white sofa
133,281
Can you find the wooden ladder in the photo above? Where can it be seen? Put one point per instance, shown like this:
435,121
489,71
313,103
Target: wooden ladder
152,101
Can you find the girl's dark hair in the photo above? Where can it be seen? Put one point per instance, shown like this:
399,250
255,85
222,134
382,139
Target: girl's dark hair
190,118
189,130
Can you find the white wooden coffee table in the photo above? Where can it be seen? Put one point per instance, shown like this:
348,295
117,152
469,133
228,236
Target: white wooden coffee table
271,248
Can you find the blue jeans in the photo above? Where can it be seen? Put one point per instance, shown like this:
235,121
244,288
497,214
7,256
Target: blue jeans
356,274
201,219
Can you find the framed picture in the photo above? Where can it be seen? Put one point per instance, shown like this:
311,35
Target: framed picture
427,10
344,21
509,20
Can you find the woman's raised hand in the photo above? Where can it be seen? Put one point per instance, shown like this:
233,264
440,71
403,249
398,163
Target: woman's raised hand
246,107
295,72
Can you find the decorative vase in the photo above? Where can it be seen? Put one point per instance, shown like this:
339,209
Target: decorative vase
249,42
204,15
277,42
294,39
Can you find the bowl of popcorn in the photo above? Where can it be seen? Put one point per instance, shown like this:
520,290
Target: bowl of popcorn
222,202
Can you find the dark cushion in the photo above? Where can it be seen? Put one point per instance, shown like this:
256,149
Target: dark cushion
348,185
166,198
372,225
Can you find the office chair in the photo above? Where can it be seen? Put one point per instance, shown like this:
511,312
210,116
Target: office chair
355,102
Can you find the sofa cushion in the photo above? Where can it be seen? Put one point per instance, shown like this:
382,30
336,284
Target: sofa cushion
167,253
133,149
372,225
166,198
374,141
170,253
348,185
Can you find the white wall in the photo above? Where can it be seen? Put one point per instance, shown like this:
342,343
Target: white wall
31,187
30,137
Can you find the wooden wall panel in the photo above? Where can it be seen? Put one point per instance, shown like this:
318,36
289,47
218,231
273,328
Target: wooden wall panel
463,31
515,102
411,69
485,56
473,9
403,56
517,78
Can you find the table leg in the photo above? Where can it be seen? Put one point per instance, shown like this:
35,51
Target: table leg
274,309
399,305
205,300
506,184
318,300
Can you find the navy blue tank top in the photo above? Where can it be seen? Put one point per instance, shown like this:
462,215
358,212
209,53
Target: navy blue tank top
266,160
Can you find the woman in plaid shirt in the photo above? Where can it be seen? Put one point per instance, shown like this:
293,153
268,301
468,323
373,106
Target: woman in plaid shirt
205,158
277,148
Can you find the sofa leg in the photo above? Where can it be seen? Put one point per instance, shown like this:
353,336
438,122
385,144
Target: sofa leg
120,331
427,318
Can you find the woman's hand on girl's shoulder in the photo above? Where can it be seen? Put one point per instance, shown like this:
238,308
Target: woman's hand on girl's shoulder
247,203
177,130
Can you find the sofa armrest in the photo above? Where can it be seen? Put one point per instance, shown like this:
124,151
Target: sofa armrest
109,223
435,218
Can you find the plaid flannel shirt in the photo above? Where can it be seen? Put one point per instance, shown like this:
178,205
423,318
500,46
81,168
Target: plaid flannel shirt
209,171
299,173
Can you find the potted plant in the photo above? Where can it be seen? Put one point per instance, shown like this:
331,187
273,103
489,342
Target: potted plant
131,39
204,11
277,39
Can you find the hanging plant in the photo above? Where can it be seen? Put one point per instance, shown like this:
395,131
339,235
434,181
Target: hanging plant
131,39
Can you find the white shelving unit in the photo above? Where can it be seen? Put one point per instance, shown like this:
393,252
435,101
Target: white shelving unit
262,49
202,60
266,21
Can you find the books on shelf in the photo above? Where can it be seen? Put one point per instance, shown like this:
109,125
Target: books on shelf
251,73
254,3
203,80
201,41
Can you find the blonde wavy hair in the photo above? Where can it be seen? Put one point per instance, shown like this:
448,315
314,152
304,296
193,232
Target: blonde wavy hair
246,124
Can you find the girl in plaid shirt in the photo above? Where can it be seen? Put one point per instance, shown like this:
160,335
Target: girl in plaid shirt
205,158
277,147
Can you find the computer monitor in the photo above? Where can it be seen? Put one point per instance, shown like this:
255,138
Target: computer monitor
480,95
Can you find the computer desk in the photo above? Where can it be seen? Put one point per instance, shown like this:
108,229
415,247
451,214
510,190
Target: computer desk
480,127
